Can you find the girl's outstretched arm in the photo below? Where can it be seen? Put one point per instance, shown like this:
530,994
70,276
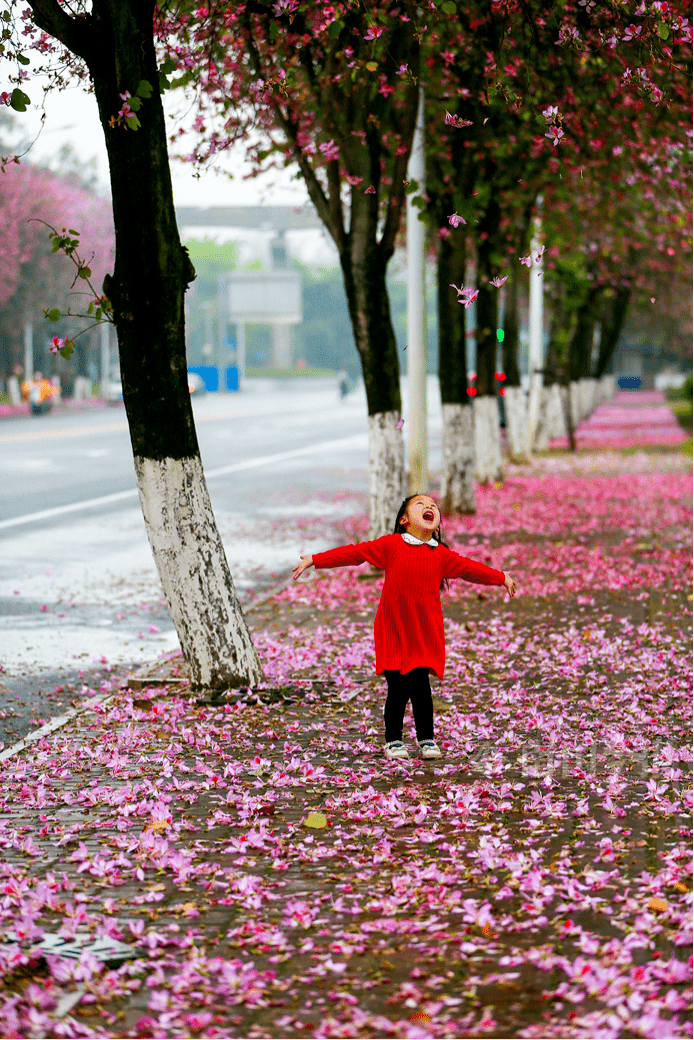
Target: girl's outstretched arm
306,562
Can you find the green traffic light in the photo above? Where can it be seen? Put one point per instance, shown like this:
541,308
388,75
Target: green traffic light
500,335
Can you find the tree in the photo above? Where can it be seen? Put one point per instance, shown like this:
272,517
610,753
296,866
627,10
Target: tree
113,45
333,92
30,274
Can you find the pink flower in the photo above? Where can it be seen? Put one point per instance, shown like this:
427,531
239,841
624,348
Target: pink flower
454,220
330,150
57,345
373,33
498,282
402,70
451,120
555,134
353,180
527,261
539,255
399,424
370,190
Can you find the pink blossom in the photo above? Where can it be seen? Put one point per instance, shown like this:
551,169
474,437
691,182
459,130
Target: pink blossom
454,220
373,32
498,282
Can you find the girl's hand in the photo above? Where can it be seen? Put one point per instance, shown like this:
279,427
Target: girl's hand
306,562
510,584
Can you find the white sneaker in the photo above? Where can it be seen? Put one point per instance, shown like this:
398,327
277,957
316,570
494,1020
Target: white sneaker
396,749
429,749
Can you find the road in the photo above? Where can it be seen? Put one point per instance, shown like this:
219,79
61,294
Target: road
78,589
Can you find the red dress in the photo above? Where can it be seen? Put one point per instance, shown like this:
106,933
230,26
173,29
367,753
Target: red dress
408,630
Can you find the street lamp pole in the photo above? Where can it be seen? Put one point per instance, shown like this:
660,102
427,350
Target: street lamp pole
416,317
536,324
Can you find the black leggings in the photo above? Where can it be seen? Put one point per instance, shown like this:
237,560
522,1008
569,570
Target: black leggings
412,686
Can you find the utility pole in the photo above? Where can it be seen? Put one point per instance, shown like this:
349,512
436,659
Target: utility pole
28,351
416,317
535,322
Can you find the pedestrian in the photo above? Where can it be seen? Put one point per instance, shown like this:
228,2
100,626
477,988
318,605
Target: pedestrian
408,631
343,382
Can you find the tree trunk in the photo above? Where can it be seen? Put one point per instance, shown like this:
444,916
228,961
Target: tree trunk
364,271
509,350
152,271
488,458
489,466
611,329
457,474
517,433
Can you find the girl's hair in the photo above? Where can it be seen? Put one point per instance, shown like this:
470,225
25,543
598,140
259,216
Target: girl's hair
401,528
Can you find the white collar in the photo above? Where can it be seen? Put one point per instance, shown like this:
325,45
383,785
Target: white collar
411,540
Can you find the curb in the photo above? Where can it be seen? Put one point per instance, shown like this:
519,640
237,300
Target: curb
53,725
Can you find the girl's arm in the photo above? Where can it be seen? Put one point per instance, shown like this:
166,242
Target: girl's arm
375,553
457,566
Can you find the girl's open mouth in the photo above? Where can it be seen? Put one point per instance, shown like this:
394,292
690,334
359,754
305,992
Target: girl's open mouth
427,515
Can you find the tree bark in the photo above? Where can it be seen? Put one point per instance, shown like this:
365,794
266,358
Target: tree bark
511,331
151,273
611,329
364,273
457,474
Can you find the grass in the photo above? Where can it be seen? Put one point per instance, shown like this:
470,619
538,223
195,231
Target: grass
289,373
683,413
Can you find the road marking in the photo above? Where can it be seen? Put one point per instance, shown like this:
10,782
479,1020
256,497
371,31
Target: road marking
356,441
81,431
70,431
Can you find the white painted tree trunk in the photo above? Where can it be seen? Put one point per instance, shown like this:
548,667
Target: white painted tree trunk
194,573
517,428
552,417
457,474
386,472
489,464
608,387
575,399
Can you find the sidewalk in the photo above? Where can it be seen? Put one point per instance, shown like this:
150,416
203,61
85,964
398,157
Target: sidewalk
68,406
274,876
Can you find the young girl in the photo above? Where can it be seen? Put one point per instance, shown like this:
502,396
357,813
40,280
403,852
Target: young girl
408,631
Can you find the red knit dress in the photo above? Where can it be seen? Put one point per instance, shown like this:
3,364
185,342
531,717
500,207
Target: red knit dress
408,630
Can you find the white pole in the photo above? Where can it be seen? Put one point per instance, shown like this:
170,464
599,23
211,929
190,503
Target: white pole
105,359
241,351
416,317
28,351
535,321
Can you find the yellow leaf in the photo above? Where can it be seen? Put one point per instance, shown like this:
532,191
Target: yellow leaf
317,820
372,66
657,904
420,1016
680,886
158,826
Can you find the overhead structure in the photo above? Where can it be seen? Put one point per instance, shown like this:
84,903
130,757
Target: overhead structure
260,218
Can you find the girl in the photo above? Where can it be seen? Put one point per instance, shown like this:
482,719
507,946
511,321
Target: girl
408,631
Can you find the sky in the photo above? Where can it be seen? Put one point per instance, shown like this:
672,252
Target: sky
72,118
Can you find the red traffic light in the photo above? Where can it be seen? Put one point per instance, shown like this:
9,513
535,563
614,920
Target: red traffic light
500,376
471,391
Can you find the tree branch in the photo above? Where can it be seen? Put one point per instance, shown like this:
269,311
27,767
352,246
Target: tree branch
73,33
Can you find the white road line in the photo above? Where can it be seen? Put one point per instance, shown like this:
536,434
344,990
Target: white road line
357,441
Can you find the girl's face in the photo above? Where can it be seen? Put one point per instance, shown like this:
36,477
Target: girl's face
422,517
